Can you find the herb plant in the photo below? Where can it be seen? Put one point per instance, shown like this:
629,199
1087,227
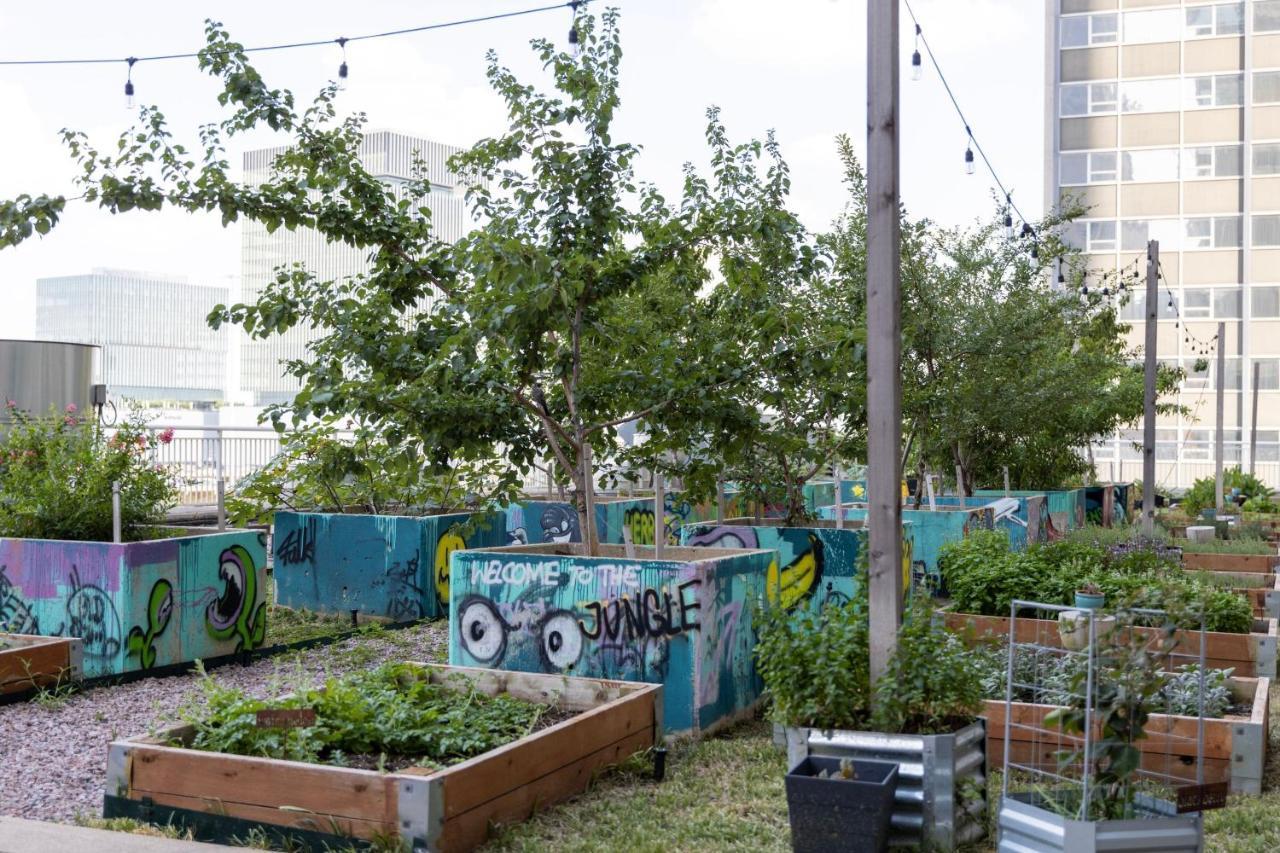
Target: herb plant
1203,492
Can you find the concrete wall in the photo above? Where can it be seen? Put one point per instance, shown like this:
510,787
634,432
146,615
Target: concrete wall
392,567
684,623
138,605
1066,508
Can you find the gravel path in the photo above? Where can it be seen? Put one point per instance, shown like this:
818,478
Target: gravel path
53,760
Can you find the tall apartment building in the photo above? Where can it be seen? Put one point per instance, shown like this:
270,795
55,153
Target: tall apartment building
390,157
1163,118
156,345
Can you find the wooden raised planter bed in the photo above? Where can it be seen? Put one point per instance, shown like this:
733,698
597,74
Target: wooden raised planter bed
28,662
448,810
1260,563
1246,654
1234,746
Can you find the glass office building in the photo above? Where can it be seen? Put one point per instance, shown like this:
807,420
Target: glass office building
390,157
1163,119
156,344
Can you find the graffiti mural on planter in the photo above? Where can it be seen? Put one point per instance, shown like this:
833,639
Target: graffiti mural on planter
683,624
139,605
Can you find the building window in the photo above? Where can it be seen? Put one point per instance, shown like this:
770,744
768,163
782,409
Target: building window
1196,303
1266,16
1218,90
1266,87
1134,234
1102,236
1212,232
1266,158
1265,301
1150,96
1086,30
1212,161
1266,231
1080,99
1155,164
1154,25
1268,380
1226,303
1095,167
1222,20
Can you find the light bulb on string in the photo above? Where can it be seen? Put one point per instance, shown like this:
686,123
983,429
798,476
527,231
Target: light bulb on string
574,41
1008,222
342,69
128,83
917,65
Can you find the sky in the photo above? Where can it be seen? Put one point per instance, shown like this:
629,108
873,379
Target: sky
797,67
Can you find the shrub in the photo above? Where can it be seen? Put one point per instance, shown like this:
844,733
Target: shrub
1203,492
56,474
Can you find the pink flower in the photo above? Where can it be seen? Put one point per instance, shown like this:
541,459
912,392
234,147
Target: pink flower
10,404
70,420
159,469
141,440
71,408
166,436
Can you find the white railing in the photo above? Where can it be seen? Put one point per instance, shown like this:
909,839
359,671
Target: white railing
203,455
1194,461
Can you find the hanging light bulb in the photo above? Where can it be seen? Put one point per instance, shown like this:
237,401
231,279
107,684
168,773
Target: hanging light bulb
342,69
969,166
917,65
1035,251
1008,225
573,27
128,83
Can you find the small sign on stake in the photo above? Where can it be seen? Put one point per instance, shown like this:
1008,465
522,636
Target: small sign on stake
1202,798
286,718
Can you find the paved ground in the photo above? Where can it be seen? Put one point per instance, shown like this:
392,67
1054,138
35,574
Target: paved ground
34,836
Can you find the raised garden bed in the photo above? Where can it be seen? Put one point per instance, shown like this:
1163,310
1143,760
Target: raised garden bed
1234,745
1252,654
387,567
684,621
139,605
1256,563
219,794
27,662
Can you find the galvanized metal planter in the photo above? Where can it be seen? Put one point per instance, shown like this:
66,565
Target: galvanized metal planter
941,797
1025,827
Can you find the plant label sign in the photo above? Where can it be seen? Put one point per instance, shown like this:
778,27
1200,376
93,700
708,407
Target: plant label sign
1201,798
287,718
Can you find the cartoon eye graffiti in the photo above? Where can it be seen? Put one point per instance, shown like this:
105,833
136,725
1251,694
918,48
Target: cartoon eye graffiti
483,631
561,639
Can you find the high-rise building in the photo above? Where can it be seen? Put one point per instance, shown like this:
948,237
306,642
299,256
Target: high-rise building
388,156
156,344
1163,119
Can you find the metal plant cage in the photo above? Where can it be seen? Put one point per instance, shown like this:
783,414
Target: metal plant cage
1061,789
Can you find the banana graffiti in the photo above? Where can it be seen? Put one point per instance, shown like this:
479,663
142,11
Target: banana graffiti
449,542
798,579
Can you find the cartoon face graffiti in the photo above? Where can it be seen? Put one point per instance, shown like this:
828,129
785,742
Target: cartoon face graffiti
141,641
232,614
449,542
560,524
482,630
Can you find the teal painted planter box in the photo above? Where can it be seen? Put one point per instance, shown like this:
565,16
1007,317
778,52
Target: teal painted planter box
1066,508
139,605
683,622
1028,523
539,522
393,567
811,566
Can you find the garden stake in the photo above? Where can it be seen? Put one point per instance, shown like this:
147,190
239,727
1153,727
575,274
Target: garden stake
659,763
115,512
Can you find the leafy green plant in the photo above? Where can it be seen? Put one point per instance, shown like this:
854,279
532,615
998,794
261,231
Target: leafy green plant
393,711
56,475
1226,546
1203,492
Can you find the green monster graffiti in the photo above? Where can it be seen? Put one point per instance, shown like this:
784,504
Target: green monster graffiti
233,614
141,641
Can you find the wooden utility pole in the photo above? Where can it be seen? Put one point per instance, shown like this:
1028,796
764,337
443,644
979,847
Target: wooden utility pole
1218,444
884,345
659,515
1253,428
1149,392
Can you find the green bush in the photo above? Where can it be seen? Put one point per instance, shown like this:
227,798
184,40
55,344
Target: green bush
1203,492
56,474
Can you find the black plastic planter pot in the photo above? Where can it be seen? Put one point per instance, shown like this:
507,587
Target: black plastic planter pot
840,814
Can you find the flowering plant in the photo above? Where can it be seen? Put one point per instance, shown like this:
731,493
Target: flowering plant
56,474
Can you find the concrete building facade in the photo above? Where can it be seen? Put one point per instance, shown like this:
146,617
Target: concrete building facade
156,344
390,157
1163,119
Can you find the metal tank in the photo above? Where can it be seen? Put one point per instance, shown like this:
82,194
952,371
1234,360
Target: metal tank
39,375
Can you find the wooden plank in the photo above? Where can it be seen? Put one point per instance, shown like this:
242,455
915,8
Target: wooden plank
33,662
487,777
469,830
570,692
1253,563
266,782
316,822
1045,757
1173,734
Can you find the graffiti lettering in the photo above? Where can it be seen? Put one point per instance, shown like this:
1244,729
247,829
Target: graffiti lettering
141,640
92,617
404,601
299,546
16,616
553,574
651,614
233,613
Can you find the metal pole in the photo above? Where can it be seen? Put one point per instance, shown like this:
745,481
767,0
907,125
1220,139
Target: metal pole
222,504
115,512
1253,429
1149,392
659,516
928,484
720,499
1218,443
1007,493
884,346
839,500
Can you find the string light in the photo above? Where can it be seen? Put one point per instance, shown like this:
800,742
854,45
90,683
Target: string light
917,66
128,83
969,165
342,69
573,26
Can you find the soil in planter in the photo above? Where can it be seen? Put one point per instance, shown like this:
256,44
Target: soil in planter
390,718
